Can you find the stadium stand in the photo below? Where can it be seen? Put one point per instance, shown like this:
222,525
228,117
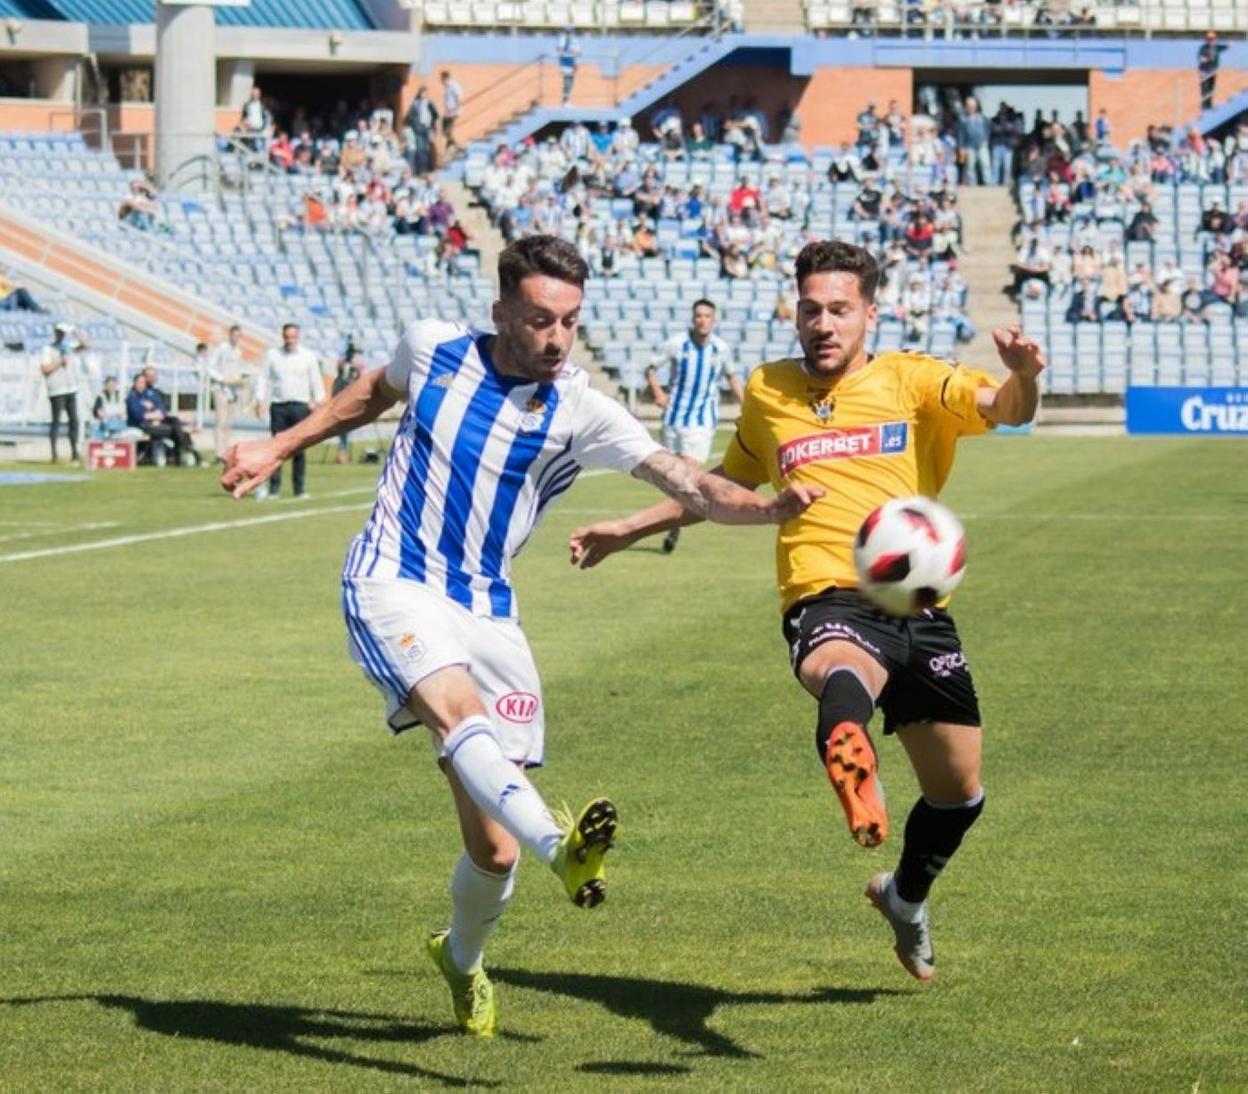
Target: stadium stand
337,14
253,250
1141,263
661,230
972,18
624,15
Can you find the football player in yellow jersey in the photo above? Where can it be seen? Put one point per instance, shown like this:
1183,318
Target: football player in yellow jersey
865,429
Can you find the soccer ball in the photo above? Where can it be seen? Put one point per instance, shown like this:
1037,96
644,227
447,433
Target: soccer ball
909,554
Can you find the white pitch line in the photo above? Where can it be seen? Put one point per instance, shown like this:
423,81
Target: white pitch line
62,529
177,533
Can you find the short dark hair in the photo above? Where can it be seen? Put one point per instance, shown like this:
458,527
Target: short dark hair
543,254
703,303
835,256
289,326
234,327
200,345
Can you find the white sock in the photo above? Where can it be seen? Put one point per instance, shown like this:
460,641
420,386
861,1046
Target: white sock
500,788
902,909
478,898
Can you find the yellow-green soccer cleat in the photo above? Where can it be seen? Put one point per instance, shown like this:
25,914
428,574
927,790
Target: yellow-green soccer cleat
579,858
472,994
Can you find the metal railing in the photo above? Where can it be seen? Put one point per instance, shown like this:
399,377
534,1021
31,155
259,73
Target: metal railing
540,81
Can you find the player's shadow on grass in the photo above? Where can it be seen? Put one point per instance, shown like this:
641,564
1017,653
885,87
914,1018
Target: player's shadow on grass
677,1010
298,1031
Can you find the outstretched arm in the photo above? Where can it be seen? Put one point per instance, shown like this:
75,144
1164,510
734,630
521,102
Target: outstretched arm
249,464
693,496
1015,401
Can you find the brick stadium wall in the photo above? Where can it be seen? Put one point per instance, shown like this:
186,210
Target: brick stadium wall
494,93
1137,99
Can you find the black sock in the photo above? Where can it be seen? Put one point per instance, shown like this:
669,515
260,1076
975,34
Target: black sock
933,834
844,699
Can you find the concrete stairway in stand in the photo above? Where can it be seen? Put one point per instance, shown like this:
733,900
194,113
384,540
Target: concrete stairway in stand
988,218
774,17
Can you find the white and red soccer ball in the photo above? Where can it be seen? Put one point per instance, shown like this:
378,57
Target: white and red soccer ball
910,553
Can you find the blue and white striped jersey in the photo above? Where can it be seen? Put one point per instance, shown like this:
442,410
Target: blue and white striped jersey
691,374
477,458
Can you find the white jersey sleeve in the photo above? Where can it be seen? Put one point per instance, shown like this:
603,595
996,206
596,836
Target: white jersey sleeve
667,361
605,434
414,353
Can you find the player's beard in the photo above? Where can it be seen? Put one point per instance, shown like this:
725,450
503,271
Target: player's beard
829,371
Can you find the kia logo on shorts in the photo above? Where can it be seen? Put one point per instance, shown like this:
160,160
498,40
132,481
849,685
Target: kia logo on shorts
517,706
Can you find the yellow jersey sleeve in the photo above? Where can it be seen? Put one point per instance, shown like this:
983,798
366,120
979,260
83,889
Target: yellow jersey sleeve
743,459
948,396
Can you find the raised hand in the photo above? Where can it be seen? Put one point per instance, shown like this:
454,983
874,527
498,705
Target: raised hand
1018,353
248,465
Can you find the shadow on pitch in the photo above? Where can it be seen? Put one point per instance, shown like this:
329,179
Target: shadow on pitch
682,1011
297,1031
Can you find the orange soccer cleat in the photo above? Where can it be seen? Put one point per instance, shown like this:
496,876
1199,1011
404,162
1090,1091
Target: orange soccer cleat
852,771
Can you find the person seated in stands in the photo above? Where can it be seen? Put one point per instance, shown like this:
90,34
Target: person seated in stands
1215,220
918,239
744,196
917,305
1032,264
1161,168
1170,286
1142,293
109,410
845,166
645,242
1193,300
1143,226
867,204
669,129
1114,291
139,208
282,152
670,204
648,196
1084,302
948,304
147,410
892,218
15,297
627,181
775,201
733,263
1087,262
694,207
1057,204
1223,282
698,145
353,157
1061,270
944,244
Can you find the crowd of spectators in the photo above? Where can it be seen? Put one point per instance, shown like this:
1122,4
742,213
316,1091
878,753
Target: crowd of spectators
975,18
753,226
1082,211
363,170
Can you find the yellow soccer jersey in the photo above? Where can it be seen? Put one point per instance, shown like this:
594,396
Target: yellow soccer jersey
885,431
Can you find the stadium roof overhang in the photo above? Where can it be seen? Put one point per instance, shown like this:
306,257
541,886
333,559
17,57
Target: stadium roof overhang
292,49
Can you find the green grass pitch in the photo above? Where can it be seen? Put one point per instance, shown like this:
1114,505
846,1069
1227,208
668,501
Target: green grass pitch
217,870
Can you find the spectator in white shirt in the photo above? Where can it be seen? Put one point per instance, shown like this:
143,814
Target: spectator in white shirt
226,378
290,384
58,363
452,99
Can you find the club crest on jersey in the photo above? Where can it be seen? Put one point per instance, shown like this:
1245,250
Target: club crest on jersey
533,411
823,403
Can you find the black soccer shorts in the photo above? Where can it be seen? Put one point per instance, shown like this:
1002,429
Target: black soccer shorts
928,677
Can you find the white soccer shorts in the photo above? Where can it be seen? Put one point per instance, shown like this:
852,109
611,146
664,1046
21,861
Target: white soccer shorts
692,440
400,631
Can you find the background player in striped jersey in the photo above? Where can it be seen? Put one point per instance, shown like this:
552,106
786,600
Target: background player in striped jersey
684,379
496,427
893,422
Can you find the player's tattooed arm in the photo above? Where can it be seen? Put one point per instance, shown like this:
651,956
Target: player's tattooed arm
711,495
714,496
